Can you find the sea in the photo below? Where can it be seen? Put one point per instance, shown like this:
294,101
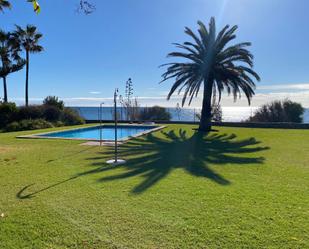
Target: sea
229,114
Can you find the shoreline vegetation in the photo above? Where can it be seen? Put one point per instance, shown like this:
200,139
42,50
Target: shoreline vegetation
52,113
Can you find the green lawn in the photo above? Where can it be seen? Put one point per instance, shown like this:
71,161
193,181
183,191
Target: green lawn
235,188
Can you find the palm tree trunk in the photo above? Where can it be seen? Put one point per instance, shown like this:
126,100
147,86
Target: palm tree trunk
205,122
5,90
27,78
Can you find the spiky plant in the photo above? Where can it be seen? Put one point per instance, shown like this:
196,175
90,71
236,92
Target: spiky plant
211,64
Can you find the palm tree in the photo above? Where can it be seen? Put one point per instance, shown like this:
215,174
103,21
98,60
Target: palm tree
212,65
10,60
4,4
28,39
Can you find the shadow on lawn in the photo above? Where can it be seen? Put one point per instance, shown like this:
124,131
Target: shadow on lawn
154,157
21,193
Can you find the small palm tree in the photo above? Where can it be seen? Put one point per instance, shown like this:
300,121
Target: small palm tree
212,65
4,4
10,60
28,40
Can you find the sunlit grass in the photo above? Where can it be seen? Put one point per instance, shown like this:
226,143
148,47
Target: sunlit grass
235,188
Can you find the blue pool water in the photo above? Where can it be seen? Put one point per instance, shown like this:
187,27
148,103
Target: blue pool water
93,133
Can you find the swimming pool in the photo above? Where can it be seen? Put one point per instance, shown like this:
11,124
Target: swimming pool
124,132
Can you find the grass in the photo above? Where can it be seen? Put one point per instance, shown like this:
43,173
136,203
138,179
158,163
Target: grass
235,188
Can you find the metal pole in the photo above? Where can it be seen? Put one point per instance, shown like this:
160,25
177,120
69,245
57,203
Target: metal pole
115,112
194,114
101,117
116,161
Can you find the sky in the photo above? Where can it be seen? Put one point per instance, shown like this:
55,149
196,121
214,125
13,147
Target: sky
87,56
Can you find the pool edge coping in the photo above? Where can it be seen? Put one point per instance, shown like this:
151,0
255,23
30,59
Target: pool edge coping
39,135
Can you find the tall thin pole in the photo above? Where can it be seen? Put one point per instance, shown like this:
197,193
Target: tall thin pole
115,113
101,117
194,114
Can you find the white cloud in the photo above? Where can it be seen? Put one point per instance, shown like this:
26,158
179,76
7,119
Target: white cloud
95,92
299,87
295,92
258,100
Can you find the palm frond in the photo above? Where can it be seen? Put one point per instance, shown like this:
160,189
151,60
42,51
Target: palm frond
209,60
4,4
27,39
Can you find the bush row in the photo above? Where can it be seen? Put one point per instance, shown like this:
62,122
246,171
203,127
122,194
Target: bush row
154,113
28,124
14,118
279,111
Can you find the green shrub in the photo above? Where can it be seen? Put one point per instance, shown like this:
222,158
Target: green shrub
155,113
30,112
8,112
28,124
53,101
51,113
71,117
14,126
58,124
216,113
279,111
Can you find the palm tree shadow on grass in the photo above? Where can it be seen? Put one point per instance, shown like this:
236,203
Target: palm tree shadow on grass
154,157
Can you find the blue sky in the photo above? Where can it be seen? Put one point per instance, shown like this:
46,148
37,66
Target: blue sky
86,57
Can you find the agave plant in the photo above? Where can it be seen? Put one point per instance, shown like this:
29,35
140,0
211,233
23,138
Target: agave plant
212,65
10,60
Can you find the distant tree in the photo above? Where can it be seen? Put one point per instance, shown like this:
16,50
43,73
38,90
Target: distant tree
27,39
53,101
155,113
10,60
135,109
212,65
216,113
279,111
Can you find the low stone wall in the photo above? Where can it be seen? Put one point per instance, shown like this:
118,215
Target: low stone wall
229,124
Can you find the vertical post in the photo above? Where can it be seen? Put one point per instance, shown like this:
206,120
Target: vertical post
116,161
101,117
100,110
194,114
98,114
115,113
